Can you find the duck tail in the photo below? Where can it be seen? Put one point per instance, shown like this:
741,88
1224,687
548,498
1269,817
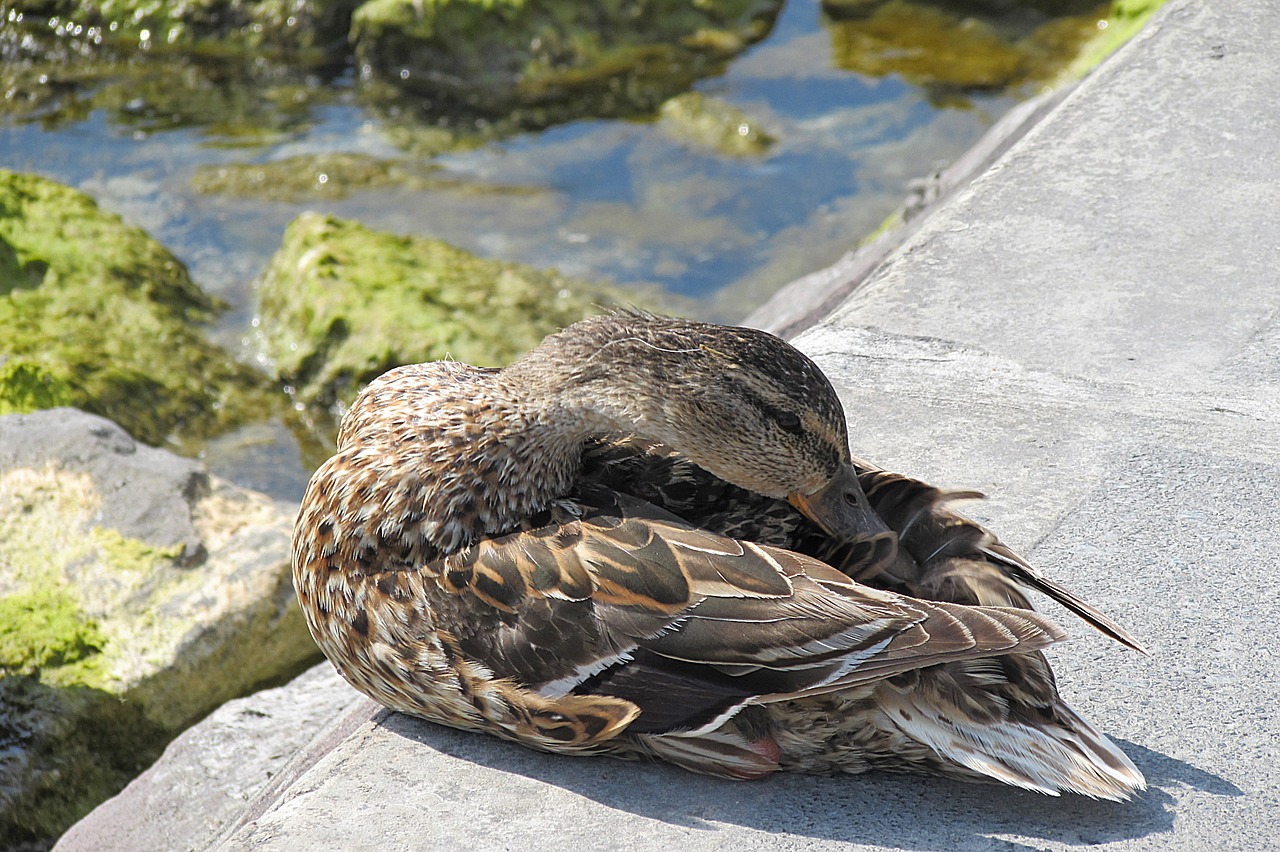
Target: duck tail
723,753
1066,754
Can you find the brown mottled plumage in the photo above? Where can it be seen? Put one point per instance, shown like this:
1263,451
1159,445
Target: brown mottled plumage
648,538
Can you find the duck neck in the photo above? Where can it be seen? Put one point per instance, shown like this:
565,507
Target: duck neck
527,455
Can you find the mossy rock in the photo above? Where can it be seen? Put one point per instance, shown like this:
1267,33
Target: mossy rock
341,304
213,25
25,387
241,68
961,45
551,59
136,595
334,175
105,318
713,124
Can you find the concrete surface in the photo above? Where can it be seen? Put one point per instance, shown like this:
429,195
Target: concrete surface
1090,333
208,776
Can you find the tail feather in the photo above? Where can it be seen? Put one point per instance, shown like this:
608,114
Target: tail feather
723,753
1068,755
949,551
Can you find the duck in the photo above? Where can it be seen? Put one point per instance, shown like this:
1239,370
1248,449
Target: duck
649,539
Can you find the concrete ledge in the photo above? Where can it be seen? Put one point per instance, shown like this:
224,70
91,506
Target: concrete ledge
1089,332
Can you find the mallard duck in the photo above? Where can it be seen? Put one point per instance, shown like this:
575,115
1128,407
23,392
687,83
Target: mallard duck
648,538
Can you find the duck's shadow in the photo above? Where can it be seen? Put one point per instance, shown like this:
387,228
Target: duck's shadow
919,813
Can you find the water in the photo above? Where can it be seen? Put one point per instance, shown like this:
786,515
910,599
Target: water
619,200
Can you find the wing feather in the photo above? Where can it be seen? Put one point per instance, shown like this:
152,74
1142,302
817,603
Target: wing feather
691,626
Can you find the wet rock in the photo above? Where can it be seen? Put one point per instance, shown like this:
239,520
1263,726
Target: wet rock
276,26
242,68
341,304
695,119
25,387
110,318
335,175
950,46
136,594
549,59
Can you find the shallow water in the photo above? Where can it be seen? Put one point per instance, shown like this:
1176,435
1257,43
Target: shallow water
618,200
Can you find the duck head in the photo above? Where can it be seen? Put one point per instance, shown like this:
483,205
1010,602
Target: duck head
739,402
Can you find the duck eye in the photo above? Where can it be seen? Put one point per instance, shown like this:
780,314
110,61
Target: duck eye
789,422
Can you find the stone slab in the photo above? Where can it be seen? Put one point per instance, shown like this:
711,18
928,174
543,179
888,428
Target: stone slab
1087,332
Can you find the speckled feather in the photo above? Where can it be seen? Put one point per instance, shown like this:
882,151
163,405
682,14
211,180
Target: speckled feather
491,550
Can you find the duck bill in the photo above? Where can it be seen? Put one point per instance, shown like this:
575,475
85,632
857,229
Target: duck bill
840,507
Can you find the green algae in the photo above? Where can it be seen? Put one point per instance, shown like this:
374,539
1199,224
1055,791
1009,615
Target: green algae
276,26
121,553
112,318
334,175
83,745
246,71
44,627
714,124
80,742
342,304
26,387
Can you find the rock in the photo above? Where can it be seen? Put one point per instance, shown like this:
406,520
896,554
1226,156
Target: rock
341,304
264,26
136,595
104,313
228,64
950,47
714,124
25,387
552,59
337,174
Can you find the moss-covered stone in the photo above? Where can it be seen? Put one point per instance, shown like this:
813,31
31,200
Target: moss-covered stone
240,68
110,645
108,320
334,175
44,627
342,304
961,45
278,26
711,123
25,387
547,58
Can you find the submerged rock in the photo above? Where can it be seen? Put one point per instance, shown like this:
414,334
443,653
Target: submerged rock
547,59
695,119
342,304
136,595
335,175
103,317
952,46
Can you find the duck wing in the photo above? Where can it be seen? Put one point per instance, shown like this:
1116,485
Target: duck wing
934,554
616,598
950,557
